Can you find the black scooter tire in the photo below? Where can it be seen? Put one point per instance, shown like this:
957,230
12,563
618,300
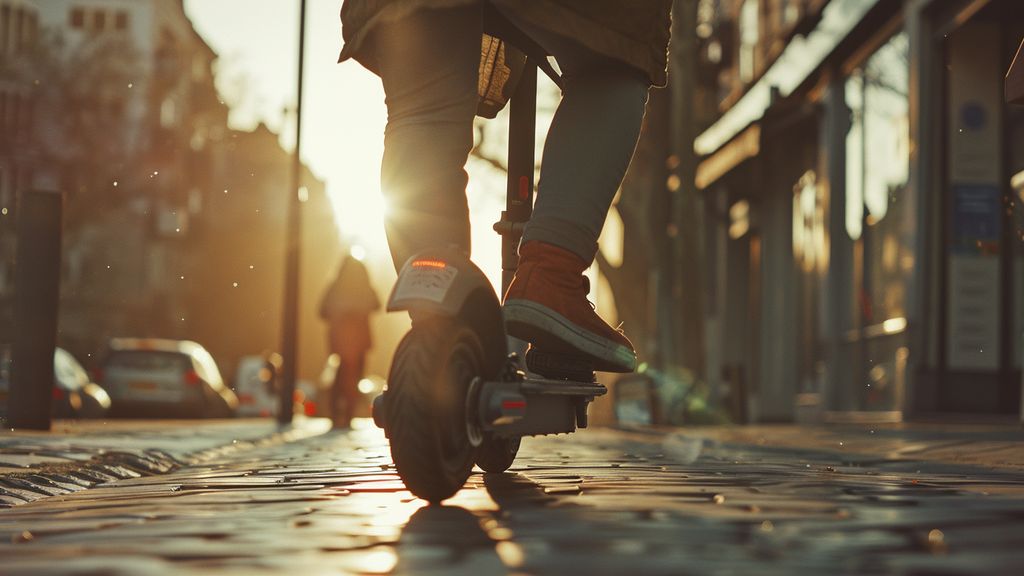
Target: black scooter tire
496,454
430,377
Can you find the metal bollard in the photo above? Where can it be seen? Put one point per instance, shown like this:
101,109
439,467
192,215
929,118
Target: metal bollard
36,295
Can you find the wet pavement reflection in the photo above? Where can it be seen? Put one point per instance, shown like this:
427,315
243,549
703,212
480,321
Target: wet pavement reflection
599,502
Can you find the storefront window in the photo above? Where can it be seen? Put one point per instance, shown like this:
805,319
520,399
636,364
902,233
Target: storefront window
750,33
1016,126
810,252
877,170
810,242
880,218
1018,264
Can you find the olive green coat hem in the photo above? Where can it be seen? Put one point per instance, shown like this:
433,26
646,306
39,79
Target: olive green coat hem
633,31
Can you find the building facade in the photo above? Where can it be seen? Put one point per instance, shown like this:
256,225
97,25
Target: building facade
233,288
128,115
19,28
174,222
863,183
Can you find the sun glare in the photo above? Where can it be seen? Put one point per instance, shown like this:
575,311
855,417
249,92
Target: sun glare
359,210
486,195
358,252
343,116
343,104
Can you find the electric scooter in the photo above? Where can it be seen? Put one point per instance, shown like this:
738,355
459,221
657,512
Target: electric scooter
456,396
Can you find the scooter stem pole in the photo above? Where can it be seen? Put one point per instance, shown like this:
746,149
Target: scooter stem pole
522,135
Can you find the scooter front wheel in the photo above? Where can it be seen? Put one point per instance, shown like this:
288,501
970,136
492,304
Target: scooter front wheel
426,409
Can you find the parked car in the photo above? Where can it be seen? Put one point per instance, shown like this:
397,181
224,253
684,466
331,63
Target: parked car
150,377
74,395
257,383
307,399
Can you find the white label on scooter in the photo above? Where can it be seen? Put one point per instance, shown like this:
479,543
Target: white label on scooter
427,281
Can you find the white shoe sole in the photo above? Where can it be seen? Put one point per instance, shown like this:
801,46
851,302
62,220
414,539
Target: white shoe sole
547,329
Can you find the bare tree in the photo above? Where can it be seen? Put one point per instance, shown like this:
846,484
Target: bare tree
85,125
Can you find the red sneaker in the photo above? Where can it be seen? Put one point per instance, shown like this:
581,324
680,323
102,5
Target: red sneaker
547,306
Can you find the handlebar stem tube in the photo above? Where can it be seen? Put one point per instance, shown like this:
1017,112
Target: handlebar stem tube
522,135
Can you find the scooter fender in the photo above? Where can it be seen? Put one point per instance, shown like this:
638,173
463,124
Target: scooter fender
445,282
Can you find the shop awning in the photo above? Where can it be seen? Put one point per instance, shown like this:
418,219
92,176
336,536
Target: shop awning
744,146
799,59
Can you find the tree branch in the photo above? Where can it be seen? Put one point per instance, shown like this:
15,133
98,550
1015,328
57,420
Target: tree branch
495,163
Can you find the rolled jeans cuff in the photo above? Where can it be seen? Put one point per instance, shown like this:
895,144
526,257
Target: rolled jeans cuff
564,234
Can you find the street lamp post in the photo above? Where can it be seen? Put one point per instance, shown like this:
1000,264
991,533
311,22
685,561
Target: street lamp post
289,336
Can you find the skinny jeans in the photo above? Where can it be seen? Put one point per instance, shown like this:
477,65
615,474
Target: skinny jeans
429,64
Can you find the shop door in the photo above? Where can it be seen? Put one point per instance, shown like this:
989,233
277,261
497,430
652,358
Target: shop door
978,353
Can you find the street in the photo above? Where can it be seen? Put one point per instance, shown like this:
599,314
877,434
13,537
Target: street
598,502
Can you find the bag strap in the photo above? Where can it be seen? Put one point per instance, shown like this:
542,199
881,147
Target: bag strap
495,24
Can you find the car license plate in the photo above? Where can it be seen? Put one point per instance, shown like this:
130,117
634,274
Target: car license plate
143,386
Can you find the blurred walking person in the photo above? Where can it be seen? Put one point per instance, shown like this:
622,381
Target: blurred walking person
346,308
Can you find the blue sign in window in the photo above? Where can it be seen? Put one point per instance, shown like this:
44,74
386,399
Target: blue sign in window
977,219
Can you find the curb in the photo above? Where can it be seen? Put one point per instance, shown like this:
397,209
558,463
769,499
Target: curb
19,488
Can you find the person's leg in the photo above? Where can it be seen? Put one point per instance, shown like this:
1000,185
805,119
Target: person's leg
429,64
588,149
589,145
357,365
334,397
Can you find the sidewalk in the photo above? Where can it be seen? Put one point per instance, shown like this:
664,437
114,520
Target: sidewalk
79,455
989,446
76,455
600,501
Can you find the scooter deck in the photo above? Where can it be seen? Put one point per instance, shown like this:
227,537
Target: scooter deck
519,405
547,387
535,406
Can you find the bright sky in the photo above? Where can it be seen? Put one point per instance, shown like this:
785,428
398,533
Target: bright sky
344,113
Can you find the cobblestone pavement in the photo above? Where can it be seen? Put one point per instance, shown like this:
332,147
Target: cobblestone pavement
992,446
77,455
599,502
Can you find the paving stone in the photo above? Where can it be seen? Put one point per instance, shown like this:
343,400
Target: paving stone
334,504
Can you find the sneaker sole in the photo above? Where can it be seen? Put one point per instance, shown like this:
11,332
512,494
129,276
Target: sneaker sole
547,329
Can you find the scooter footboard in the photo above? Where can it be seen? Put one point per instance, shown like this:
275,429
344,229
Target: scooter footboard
534,407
